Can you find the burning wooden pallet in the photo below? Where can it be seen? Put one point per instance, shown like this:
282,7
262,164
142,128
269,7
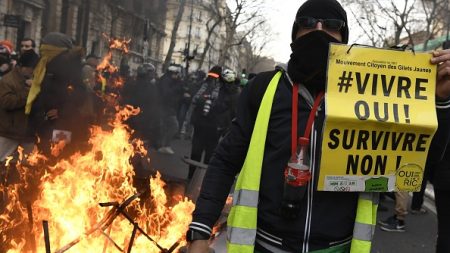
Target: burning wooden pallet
118,209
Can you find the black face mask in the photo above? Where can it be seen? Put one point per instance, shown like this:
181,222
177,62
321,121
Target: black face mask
309,60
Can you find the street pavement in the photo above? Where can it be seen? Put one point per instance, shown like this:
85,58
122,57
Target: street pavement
172,166
420,235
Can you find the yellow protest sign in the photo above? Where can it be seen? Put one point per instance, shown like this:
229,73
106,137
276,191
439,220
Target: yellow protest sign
380,119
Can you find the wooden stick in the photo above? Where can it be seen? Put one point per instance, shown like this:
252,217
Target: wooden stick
46,236
112,241
105,246
30,225
111,215
104,223
133,234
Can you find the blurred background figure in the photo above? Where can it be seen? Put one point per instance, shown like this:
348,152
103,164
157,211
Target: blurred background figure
185,112
27,44
211,103
91,108
57,94
12,54
143,93
230,89
170,88
5,59
14,88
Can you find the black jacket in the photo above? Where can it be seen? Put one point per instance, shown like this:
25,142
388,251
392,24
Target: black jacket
143,93
171,92
326,219
220,107
61,89
320,210
438,162
441,173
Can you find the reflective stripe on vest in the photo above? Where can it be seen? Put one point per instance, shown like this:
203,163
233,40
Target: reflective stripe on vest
242,219
241,232
366,218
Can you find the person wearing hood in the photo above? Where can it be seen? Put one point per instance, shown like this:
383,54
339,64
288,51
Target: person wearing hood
6,64
209,107
143,93
57,94
259,145
170,88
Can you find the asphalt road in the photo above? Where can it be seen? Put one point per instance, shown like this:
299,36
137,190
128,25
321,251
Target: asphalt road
420,235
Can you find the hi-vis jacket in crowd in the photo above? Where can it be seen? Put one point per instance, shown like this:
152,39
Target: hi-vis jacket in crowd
258,147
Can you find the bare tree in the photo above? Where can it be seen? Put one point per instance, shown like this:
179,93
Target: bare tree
386,22
245,17
173,37
258,40
215,19
399,16
373,27
433,9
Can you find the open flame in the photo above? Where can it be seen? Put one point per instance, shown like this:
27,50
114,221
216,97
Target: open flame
107,66
120,44
70,192
67,193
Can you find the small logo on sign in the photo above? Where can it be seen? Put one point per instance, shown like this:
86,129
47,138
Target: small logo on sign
409,178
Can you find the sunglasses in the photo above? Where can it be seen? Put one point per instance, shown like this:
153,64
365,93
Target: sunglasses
328,24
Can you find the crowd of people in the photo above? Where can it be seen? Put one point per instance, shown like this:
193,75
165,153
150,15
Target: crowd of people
58,94
198,107
16,80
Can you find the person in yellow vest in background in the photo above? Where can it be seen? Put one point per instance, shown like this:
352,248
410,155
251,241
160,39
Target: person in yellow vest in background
273,209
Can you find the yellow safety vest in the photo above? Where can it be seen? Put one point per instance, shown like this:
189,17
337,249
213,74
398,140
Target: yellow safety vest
241,230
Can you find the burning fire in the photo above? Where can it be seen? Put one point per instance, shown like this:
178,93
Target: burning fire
67,194
70,193
107,69
107,65
121,44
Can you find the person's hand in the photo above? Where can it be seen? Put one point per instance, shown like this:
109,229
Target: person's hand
52,114
198,246
28,82
442,59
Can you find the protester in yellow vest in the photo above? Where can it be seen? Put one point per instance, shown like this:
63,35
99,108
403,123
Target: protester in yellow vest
274,108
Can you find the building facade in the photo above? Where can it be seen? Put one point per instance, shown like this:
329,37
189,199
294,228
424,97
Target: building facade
190,30
192,36
148,23
21,18
87,22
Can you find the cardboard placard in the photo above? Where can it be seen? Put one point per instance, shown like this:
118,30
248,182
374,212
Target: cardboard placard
380,119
